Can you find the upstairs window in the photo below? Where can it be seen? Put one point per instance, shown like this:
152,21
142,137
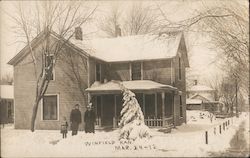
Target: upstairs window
98,72
179,68
136,71
49,72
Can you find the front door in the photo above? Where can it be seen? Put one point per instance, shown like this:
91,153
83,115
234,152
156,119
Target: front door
108,110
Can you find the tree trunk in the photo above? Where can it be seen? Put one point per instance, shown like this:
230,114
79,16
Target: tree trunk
236,101
33,118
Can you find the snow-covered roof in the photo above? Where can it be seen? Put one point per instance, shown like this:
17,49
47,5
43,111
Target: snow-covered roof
200,88
131,48
201,96
193,101
6,92
131,85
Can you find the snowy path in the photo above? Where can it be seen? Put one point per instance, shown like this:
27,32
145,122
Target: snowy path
186,140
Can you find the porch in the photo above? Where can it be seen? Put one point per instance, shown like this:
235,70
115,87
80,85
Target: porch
157,103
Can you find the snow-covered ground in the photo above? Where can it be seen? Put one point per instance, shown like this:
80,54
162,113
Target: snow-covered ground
185,140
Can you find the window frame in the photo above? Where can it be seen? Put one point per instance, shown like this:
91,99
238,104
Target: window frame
100,67
58,106
53,68
131,70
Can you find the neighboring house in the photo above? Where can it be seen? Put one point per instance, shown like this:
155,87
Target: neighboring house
152,67
201,97
6,104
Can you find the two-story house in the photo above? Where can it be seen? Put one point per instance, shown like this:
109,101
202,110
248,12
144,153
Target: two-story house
152,66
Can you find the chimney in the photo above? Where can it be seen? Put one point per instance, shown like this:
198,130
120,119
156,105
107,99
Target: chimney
118,31
195,82
78,33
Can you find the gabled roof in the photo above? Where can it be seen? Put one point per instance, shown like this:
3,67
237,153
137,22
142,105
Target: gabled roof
200,88
112,86
6,92
198,95
132,48
126,48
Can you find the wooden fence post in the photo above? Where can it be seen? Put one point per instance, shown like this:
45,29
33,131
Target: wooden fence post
206,137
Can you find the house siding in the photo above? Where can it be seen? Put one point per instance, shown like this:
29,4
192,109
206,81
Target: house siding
24,92
181,85
157,70
118,71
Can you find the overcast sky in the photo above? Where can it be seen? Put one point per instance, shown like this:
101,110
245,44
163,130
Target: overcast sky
201,57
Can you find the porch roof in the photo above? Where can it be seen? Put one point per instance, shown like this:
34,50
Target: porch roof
135,85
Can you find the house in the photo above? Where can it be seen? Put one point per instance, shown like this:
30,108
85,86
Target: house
6,104
152,66
201,97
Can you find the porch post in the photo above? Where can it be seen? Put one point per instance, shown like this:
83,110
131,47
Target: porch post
101,111
155,105
114,118
163,108
143,100
173,108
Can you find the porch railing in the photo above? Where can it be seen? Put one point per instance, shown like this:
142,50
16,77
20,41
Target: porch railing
150,122
153,122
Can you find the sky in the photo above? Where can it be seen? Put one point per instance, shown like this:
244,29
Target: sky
201,57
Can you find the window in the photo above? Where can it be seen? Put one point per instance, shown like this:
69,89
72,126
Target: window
179,68
98,72
50,107
181,113
136,71
49,61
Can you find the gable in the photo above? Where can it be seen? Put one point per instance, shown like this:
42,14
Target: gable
198,96
37,41
183,50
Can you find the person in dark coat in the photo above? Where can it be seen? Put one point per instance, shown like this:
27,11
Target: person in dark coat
89,119
75,119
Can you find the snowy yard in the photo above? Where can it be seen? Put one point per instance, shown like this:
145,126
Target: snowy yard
185,140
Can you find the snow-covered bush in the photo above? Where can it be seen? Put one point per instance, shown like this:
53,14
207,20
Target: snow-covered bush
132,124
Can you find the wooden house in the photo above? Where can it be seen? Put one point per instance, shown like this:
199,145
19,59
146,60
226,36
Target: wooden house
152,66
6,104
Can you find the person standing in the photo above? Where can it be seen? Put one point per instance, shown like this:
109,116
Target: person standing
64,127
89,119
75,119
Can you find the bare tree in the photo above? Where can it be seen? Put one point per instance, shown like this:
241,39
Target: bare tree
139,19
110,21
227,25
47,17
76,70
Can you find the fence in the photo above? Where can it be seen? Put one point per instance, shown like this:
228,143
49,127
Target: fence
150,122
224,126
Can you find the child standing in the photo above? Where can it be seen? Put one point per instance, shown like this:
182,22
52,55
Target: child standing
64,127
